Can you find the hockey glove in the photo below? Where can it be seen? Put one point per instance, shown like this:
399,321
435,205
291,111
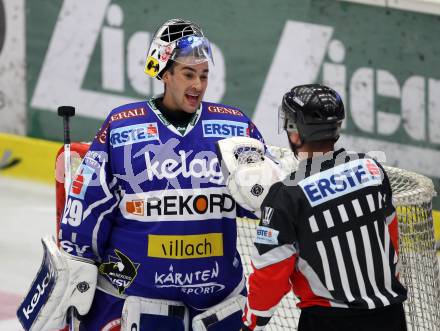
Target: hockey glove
250,171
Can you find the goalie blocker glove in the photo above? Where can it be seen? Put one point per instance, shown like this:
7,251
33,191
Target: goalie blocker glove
251,171
63,282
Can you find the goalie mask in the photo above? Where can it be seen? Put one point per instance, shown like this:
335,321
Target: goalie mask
177,40
314,111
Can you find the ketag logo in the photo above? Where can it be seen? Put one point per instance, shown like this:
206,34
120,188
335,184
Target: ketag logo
224,129
132,134
159,168
340,180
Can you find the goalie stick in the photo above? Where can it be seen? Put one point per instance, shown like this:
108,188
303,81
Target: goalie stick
66,112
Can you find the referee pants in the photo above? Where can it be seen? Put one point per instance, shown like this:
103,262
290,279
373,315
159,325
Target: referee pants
389,318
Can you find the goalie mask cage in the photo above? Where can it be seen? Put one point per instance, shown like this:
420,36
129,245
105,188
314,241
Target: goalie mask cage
419,271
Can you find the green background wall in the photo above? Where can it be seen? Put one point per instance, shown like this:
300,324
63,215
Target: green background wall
390,65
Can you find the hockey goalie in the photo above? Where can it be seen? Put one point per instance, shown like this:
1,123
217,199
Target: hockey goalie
147,233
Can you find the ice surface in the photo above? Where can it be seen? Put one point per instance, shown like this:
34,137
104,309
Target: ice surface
27,213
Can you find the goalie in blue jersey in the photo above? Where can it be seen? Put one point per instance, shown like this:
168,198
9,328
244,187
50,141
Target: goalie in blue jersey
148,209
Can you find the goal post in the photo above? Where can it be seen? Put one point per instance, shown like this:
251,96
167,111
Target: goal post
412,196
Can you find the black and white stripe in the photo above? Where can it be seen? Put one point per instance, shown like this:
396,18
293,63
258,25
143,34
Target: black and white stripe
355,263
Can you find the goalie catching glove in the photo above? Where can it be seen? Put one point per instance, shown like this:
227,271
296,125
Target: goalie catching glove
63,282
251,171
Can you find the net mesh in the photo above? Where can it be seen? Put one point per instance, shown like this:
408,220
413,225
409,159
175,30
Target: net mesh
412,196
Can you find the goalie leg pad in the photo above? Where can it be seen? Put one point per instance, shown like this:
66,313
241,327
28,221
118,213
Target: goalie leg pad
224,316
145,314
63,281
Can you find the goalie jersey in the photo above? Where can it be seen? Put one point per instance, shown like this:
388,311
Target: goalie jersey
149,204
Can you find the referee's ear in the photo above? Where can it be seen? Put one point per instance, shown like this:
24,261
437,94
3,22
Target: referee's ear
294,138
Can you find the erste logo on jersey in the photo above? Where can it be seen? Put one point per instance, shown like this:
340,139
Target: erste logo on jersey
129,113
266,236
340,180
132,134
224,129
178,205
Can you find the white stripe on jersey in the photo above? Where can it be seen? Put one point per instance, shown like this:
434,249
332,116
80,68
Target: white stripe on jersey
315,283
390,218
371,202
325,265
328,219
273,256
98,225
370,265
357,207
343,213
105,188
313,224
338,304
341,268
263,313
357,269
385,262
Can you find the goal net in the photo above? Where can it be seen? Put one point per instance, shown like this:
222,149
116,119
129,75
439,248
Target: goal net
412,196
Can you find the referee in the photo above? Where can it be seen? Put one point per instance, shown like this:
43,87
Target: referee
329,231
